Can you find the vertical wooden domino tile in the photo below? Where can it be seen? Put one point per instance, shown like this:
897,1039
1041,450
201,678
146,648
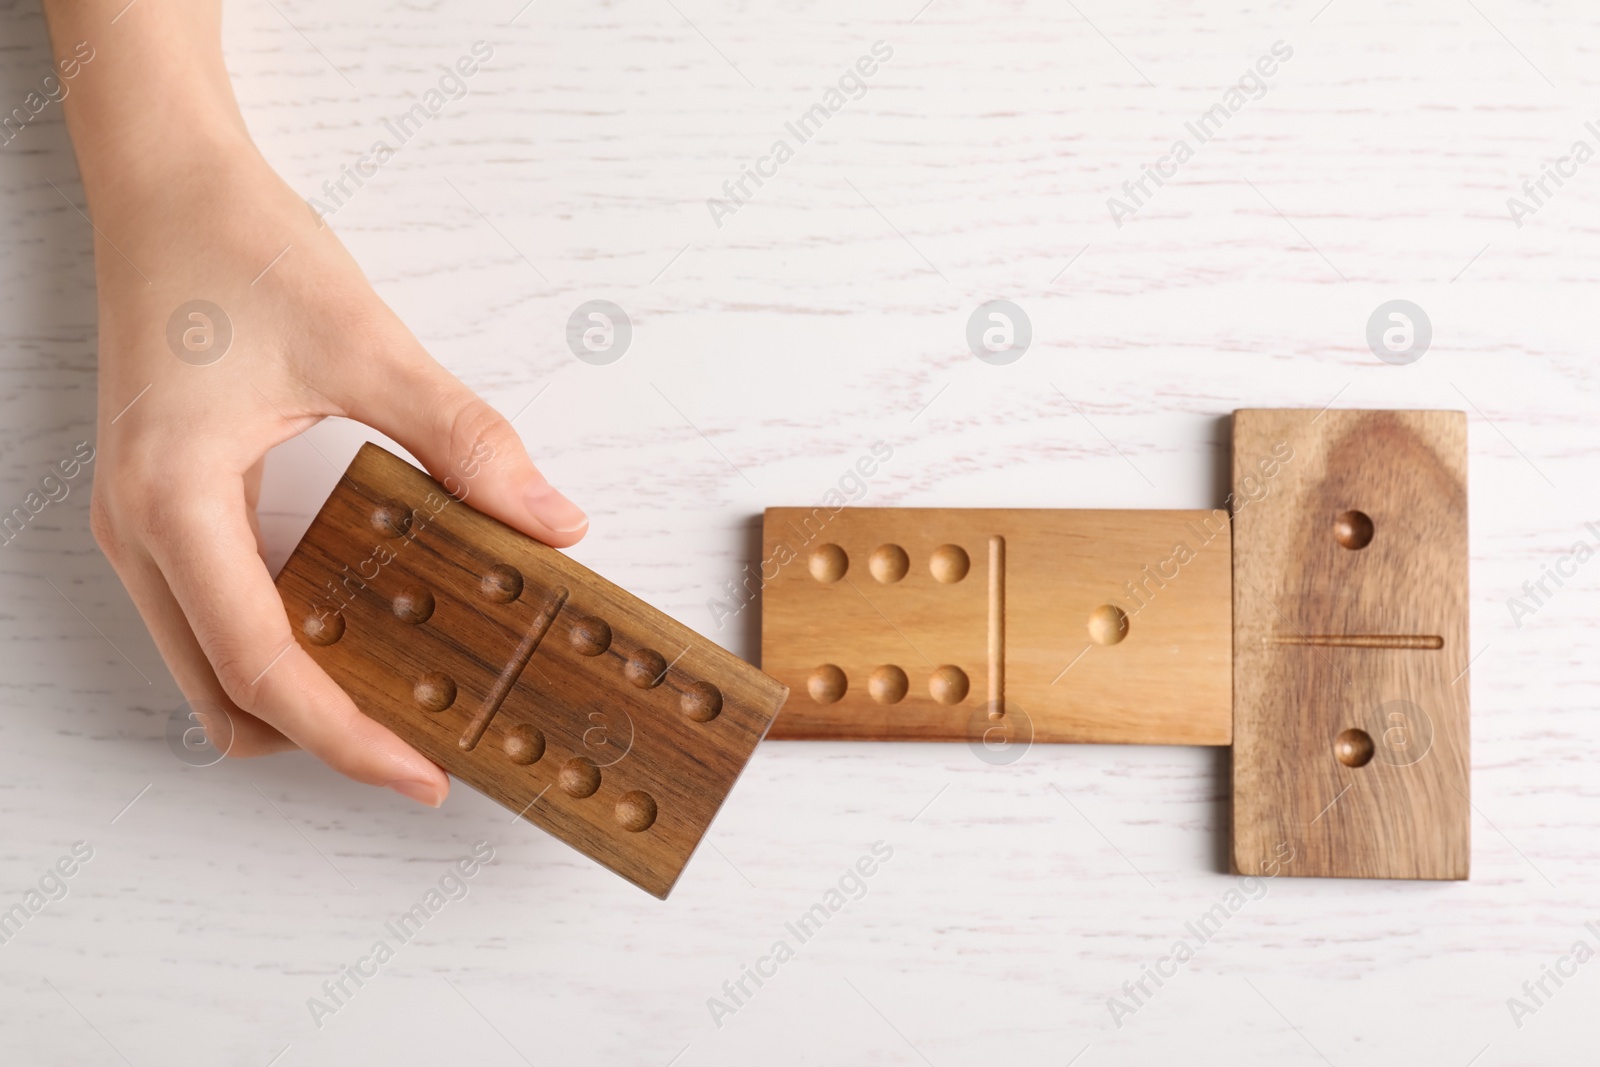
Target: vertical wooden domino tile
1350,645
521,672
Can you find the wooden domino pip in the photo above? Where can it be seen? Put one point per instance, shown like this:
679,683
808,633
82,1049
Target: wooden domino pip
1318,624
523,673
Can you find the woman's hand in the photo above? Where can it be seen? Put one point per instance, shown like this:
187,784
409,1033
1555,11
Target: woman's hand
187,413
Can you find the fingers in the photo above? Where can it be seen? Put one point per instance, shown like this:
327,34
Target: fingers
243,735
465,444
206,552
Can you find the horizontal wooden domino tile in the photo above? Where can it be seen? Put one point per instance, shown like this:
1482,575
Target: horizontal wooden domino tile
946,624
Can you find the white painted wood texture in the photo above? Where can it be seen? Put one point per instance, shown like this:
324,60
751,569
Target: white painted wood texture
768,354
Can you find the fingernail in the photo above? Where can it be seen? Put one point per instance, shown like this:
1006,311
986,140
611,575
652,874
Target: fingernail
554,510
422,792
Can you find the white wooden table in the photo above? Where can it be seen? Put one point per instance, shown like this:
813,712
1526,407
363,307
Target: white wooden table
826,313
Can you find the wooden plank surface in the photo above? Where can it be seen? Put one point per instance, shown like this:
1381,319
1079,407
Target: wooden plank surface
1350,644
996,626
523,673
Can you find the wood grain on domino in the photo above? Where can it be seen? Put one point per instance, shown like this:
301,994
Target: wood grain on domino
1350,644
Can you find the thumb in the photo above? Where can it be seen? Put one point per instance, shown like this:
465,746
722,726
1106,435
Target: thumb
466,445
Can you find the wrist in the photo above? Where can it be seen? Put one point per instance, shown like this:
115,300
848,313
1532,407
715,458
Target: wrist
125,170
146,95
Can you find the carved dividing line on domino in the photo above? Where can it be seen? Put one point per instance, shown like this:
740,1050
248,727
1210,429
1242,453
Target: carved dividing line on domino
1414,641
519,660
997,627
